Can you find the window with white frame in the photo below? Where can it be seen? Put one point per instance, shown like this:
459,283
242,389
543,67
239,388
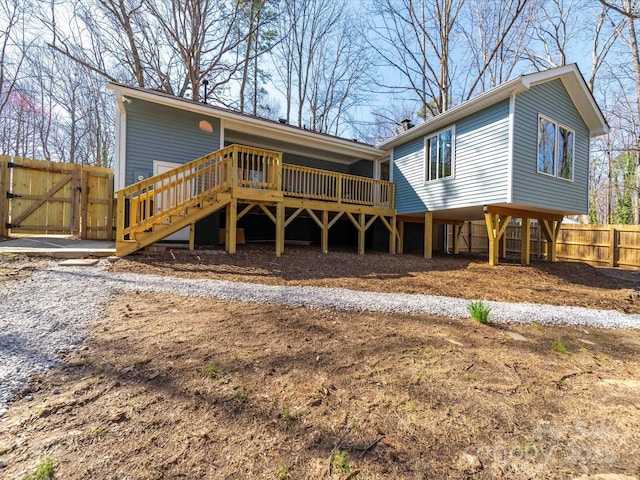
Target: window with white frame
439,155
555,148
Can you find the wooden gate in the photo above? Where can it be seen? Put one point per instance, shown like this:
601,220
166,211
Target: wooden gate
42,197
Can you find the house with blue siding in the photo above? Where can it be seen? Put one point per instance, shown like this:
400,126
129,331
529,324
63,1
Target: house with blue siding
520,150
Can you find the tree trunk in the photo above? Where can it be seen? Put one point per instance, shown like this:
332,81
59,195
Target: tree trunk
635,53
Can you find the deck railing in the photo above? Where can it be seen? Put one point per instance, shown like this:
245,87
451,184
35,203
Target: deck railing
155,200
336,187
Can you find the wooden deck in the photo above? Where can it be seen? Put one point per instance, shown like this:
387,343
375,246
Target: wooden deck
240,179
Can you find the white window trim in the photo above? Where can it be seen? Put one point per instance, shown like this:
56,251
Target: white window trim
556,160
427,162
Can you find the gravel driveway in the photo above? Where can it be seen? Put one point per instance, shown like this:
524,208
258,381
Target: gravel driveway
49,312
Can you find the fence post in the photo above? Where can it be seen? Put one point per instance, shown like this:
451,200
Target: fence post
84,202
612,246
5,184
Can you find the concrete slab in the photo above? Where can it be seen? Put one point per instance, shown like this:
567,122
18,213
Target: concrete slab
79,262
58,247
516,336
631,341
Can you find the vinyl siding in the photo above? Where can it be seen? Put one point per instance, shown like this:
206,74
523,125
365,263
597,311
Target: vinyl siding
480,166
314,163
364,168
530,187
156,132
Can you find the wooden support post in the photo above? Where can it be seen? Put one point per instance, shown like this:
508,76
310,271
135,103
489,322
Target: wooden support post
551,229
392,236
5,187
192,236
325,231
503,246
231,226
400,246
457,229
525,242
492,232
279,228
361,232
120,218
496,226
428,234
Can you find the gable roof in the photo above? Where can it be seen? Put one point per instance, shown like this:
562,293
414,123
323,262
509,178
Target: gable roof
570,76
258,125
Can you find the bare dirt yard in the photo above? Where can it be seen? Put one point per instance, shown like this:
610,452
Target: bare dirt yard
175,387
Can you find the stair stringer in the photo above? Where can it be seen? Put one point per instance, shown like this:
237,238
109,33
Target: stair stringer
176,222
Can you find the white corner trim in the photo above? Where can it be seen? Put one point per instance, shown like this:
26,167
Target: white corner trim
391,165
512,107
221,133
120,160
376,169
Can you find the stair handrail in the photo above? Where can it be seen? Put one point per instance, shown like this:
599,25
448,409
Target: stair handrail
194,181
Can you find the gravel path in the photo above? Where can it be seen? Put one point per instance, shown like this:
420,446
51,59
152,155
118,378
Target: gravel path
49,312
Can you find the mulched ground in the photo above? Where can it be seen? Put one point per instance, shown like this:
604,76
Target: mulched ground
462,276
179,388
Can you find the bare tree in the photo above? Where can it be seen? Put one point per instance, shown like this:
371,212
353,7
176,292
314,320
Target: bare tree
321,64
261,37
629,11
416,39
497,34
11,55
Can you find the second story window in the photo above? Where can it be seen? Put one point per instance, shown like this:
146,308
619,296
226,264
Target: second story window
439,153
555,149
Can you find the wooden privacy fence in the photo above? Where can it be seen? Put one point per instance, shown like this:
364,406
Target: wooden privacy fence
599,245
43,197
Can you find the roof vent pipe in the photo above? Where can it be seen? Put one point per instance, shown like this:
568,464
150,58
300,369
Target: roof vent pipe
205,82
406,124
403,126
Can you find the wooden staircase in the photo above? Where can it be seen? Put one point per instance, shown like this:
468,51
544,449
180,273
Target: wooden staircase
153,209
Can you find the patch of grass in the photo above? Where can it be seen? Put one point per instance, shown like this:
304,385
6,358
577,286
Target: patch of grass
240,395
479,311
529,449
283,473
211,371
96,431
341,461
354,425
44,470
559,347
287,416
537,325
